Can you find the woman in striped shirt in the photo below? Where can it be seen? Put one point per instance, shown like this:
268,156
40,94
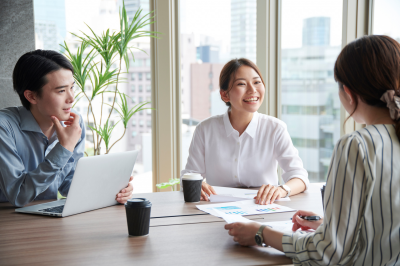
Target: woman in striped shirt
362,196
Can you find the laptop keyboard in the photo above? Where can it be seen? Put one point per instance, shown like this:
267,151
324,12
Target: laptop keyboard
56,209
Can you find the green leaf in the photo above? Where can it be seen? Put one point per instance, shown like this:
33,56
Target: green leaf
82,64
172,182
125,113
103,44
100,80
129,32
105,132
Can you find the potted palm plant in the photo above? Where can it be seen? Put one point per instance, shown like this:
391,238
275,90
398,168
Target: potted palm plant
100,60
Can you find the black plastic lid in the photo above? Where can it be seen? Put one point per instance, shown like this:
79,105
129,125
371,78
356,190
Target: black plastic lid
138,202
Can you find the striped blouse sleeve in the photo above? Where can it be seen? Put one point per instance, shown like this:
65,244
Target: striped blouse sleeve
337,239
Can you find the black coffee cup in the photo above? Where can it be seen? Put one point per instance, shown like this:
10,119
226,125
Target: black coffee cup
191,185
322,195
138,216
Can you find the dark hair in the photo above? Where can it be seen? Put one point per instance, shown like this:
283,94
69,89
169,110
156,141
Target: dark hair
370,66
31,70
228,72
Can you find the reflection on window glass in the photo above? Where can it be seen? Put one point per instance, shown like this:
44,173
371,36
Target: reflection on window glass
204,50
387,19
311,41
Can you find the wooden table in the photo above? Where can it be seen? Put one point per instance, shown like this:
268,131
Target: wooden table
180,234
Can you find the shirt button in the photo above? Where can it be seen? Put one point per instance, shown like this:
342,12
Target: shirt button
44,137
235,160
235,176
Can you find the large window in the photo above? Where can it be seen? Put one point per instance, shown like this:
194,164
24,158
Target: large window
213,32
227,30
54,23
310,106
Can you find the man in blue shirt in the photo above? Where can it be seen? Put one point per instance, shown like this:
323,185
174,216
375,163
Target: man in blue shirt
38,154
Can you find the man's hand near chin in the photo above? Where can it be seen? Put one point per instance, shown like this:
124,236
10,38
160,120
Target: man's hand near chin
125,193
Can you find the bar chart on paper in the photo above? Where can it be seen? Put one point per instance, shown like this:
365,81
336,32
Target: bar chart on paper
245,207
268,210
231,210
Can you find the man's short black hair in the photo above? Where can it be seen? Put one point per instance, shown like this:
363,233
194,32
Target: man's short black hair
31,70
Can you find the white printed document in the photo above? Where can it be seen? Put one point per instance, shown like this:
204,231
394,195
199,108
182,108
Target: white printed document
282,226
227,194
232,218
244,207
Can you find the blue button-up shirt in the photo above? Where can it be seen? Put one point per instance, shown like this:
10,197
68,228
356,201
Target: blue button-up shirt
33,167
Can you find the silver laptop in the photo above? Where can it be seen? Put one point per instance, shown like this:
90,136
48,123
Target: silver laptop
96,182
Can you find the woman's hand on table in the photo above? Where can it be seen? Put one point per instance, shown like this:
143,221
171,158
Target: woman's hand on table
125,193
268,194
304,224
243,233
206,191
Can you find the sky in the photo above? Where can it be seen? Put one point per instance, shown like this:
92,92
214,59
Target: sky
79,12
295,11
387,18
207,17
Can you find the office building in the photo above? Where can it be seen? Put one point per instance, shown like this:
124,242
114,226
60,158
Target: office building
207,53
243,29
188,57
138,91
50,29
316,31
205,78
310,105
132,7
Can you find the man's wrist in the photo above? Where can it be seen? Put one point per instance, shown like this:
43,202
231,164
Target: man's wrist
68,147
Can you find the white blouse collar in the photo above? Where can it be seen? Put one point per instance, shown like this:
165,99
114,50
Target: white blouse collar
250,130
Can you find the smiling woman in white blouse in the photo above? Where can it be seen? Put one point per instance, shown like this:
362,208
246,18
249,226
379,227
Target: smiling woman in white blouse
242,148
361,224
